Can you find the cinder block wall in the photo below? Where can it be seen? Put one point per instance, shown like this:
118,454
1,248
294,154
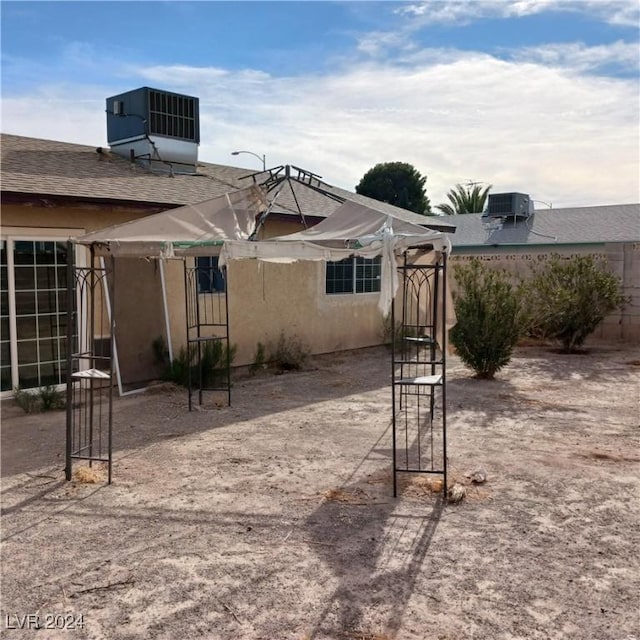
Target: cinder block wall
623,260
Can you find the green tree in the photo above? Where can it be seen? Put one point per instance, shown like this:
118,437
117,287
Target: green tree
568,298
398,183
489,320
465,200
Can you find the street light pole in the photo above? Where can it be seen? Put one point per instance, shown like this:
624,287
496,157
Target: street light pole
262,158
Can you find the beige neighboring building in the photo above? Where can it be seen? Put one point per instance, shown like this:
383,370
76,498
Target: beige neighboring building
518,244
53,191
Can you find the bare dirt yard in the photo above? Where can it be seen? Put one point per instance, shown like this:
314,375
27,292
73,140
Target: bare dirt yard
274,519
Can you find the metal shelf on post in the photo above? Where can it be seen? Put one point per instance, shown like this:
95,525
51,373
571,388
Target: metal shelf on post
419,371
89,366
207,317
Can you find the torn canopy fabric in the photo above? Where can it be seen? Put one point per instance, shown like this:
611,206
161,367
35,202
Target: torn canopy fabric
191,230
351,230
222,226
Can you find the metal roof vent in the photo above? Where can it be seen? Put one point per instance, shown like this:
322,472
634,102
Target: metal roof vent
508,205
157,128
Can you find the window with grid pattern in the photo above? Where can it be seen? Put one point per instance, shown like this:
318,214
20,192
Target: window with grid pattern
39,279
353,275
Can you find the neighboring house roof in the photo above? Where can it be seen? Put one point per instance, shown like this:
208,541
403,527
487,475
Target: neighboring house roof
47,168
575,225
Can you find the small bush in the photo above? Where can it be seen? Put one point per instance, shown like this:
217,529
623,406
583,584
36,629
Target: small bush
52,398
288,353
569,297
259,359
27,400
489,318
160,351
39,400
213,362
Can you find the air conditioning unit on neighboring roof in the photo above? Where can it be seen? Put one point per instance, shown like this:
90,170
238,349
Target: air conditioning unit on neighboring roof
509,205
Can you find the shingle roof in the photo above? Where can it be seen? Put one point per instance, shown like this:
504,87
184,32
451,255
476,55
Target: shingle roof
32,165
62,169
576,225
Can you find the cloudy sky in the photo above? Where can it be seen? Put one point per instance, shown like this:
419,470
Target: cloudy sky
537,96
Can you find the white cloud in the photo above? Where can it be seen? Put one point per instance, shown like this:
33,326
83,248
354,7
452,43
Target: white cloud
69,112
519,125
463,12
578,57
618,12
375,43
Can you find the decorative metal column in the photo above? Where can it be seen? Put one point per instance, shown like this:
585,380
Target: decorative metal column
208,346
90,371
419,371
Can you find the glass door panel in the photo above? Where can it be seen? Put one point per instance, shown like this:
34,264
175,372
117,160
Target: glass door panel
5,350
39,278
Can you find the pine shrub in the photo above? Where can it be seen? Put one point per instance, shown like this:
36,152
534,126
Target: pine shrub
568,298
489,318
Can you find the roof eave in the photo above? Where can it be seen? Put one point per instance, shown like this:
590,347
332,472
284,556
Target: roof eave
446,228
49,199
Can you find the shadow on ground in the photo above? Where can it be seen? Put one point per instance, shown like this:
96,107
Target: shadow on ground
37,441
376,556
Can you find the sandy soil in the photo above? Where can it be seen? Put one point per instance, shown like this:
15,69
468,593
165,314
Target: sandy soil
274,519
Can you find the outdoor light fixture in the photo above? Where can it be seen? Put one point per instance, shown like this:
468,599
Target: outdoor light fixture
262,158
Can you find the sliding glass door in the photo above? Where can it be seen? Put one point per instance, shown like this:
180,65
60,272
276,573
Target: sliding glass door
33,314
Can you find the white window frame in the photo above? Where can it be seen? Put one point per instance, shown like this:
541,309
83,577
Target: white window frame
44,235
354,280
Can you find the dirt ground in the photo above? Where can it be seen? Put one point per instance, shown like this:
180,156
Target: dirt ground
274,519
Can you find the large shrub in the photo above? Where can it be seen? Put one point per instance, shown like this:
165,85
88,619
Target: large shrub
489,320
568,297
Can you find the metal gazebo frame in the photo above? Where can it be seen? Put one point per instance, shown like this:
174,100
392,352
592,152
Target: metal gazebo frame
418,381
90,370
419,415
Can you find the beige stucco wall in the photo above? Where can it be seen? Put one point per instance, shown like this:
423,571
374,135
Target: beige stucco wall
79,217
623,260
264,299
139,317
277,227
267,298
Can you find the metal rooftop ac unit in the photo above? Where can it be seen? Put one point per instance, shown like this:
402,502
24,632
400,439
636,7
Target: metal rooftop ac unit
154,127
509,205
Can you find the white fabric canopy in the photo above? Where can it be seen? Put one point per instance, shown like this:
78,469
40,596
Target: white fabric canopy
351,230
195,229
222,226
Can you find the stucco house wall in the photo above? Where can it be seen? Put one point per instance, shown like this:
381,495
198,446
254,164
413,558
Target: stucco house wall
264,299
59,222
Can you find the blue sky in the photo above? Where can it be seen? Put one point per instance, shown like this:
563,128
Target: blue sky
539,96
